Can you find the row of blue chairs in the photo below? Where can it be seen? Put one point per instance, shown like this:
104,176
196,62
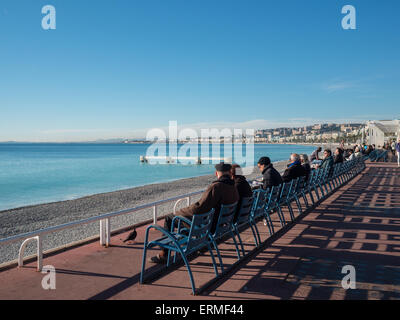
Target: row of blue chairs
187,237
377,155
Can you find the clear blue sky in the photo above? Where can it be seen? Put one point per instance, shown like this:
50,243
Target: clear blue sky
115,68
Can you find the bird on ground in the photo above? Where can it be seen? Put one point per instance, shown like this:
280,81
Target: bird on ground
131,236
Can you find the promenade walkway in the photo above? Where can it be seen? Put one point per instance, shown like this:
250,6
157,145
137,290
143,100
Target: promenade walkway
358,225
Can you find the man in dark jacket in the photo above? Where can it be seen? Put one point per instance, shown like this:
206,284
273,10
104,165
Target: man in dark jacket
271,177
338,156
328,161
294,170
220,192
242,186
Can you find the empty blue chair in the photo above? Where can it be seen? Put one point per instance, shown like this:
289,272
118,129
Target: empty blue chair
182,242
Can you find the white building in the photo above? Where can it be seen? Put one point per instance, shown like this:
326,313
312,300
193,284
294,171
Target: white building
380,132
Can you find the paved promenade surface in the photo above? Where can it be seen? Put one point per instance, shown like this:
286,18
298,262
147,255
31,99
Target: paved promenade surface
358,225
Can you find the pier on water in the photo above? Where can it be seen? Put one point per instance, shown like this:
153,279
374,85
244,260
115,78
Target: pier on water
191,160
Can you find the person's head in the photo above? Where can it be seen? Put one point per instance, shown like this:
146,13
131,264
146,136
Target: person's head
263,163
350,151
319,149
327,153
338,151
294,157
222,169
304,158
357,149
236,170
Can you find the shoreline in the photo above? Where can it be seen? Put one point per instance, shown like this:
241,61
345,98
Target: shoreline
79,197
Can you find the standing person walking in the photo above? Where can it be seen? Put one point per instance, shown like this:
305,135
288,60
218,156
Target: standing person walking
398,152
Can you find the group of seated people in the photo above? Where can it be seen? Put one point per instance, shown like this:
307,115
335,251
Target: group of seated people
231,186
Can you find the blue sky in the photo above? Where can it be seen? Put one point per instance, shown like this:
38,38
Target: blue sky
116,68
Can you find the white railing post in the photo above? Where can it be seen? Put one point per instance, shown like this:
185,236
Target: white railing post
39,252
108,232
155,214
102,233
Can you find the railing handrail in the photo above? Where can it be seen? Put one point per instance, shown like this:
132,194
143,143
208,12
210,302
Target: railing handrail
94,219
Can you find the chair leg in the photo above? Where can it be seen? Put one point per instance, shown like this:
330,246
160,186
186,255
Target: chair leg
311,196
315,188
219,255
298,205
253,229
305,199
258,234
143,263
269,223
290,210
189,271
169,257
236,245
281,216
213,259
240,239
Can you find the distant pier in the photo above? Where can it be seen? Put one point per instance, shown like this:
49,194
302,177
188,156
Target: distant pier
195,160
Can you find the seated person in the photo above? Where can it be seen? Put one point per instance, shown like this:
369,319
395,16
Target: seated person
328,161
306,165
242,186
294,170
338,156
357,152
221,191
351,155
314,158
271,177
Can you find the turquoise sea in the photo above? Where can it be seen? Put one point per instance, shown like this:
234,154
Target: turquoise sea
40,173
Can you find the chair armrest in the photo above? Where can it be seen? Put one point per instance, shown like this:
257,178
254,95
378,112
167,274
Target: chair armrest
180,218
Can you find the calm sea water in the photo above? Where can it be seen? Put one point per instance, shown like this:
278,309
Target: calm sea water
40,173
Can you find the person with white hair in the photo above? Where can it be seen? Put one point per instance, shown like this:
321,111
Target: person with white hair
295,169
306,164
357,152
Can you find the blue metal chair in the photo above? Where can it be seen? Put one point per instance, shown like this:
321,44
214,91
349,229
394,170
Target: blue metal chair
225,227
182,242
284,200
257,212
298,192
271,205
243,219
310,185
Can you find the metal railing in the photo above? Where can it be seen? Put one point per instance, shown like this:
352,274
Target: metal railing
105,227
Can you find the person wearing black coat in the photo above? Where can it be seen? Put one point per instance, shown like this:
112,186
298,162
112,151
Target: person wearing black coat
306,165
294,170
271,177
242,186
338,156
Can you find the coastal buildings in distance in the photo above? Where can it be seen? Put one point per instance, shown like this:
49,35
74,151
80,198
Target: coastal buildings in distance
372,132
